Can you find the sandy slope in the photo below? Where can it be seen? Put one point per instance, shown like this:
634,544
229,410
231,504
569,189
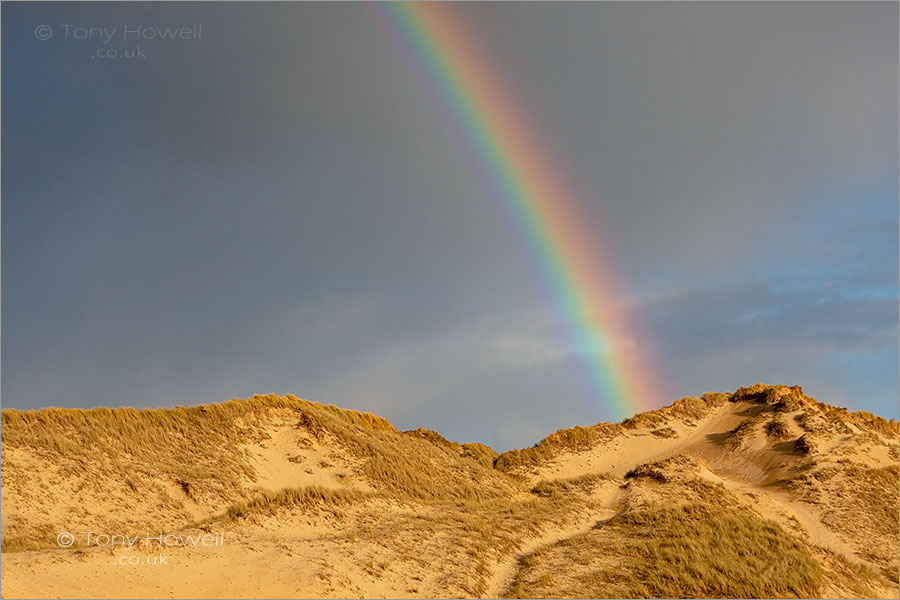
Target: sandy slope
387,546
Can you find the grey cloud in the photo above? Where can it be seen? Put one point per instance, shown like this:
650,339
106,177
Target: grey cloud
819,315
283,207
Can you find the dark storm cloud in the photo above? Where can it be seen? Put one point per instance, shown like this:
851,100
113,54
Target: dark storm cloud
280,206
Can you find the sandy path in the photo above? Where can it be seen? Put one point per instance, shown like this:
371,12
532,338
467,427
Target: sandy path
780,507
606,498
506,570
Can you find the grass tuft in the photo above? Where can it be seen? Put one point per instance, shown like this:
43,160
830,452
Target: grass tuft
688,551
305,497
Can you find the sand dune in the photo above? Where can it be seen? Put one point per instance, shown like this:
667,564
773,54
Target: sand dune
763,492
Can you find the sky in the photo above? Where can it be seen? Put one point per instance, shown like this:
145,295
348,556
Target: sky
279,205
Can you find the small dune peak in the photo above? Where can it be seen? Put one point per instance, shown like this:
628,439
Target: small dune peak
791,397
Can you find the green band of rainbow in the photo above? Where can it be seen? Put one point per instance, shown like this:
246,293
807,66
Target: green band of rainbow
535,196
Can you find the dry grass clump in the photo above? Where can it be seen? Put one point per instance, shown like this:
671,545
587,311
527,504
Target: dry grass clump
307,497
408,469
805,445
869,422
686,409
478,452
665,432
862,506
760,393
837,419
777,429
430,435
876,496
860,503
199,446
696,408
39,537
784,399
576,439
694,550
825,421
790,403
560,487
756,393
737,436
653,470
680,467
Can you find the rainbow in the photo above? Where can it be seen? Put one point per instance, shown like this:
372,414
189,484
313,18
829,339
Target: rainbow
535,194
